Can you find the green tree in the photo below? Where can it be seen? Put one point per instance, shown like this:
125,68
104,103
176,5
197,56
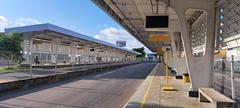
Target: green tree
1,40
10,47
140,50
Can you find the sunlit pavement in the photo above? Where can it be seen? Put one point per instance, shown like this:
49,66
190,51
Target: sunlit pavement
171,99
103,90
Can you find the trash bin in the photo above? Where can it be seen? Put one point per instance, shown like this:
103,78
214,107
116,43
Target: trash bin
186,78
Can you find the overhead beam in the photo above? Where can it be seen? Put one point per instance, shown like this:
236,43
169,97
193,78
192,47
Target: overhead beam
159,38
129,27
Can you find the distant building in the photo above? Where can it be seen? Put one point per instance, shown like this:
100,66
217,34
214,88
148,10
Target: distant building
121,43
151,58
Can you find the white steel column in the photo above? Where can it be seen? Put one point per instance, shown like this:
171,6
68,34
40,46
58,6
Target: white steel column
232,77
107,56
48,52
28,54
83,57
55,57
86,53
200,68
175,36
27,47
170,59
52,51
73,52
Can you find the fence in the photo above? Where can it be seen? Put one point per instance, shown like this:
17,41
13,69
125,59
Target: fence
223,82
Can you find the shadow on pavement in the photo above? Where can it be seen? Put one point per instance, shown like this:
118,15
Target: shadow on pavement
143,71
152,105
117,75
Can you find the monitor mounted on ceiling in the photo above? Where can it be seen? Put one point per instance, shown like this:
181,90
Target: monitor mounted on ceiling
157,23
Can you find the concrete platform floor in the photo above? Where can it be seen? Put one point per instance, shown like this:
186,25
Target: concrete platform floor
158,98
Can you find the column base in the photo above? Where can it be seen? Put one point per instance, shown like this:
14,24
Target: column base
168,88
178,76
193,94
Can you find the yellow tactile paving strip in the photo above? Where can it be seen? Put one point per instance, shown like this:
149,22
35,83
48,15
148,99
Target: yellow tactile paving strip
145,97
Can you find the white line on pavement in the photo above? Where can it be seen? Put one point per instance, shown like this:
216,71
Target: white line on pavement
104,74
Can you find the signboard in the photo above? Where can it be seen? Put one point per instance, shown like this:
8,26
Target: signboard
121,43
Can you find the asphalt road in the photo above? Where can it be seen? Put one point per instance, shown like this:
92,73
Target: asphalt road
110,89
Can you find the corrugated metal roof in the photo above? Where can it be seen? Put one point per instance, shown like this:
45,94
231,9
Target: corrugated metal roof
47,26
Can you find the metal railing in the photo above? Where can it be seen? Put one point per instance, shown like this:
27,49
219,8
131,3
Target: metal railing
227,78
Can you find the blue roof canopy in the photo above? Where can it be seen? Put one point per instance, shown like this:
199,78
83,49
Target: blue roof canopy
51,27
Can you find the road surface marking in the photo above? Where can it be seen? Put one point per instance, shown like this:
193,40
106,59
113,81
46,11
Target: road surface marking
105,74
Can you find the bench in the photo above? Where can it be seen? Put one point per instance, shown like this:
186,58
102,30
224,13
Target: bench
216,98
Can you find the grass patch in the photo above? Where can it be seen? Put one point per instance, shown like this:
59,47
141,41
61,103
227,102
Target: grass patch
4,69
15,67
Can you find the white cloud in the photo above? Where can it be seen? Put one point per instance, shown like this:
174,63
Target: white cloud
112,34
26,21
3,21
6,23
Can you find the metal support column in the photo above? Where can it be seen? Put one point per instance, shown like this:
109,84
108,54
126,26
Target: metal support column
232,77
56,55
30,42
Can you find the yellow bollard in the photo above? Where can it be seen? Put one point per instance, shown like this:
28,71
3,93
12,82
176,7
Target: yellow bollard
185,78
167,87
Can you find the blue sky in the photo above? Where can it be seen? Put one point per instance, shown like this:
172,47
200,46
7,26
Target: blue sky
78,15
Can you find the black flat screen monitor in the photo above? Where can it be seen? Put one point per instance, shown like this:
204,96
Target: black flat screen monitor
156,22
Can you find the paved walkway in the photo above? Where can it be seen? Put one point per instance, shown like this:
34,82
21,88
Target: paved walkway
158,98
3,80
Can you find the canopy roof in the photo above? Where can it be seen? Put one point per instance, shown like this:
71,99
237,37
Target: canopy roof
62,31
131,14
